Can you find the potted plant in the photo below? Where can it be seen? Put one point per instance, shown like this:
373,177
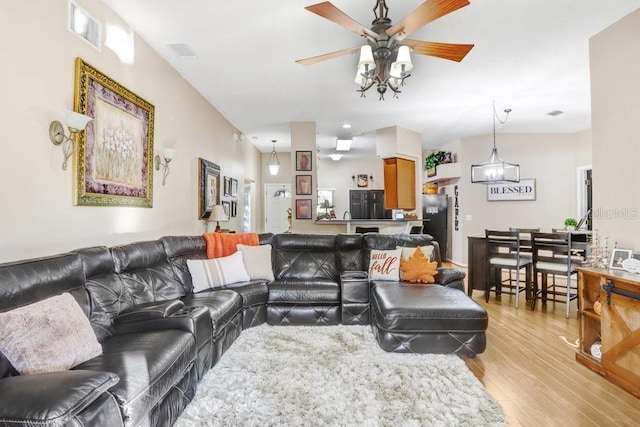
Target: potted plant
570,224
434,159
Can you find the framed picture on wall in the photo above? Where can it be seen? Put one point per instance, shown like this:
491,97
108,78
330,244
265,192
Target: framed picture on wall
303,160
303,209
512,191
363,180
303,185
227,186
209,187
234,188
227,208
234,209
115,152
619,255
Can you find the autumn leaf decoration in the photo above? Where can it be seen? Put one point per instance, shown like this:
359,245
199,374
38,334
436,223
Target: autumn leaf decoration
418,269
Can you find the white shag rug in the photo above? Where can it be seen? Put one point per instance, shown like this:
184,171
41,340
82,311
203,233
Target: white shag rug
335,376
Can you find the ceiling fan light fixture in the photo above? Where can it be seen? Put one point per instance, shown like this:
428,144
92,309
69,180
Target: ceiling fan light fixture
366,58
404,58
385,61
361,79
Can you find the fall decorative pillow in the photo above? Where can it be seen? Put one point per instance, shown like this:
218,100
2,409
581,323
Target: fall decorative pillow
427,250
415,267
385,265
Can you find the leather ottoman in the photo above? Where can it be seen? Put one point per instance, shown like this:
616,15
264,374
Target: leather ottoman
411,318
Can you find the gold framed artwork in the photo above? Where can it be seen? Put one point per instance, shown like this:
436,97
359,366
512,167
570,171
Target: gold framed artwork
209,187
114,157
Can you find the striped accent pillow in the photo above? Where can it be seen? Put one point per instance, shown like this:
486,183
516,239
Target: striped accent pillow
217,272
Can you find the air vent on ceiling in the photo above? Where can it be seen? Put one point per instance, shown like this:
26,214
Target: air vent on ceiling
555,113
182,50
84,25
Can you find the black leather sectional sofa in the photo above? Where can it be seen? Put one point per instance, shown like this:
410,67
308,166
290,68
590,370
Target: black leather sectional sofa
159,338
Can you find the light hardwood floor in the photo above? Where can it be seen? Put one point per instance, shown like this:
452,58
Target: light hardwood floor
533,373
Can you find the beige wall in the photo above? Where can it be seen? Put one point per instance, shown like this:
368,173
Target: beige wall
615,106
37,216
552,159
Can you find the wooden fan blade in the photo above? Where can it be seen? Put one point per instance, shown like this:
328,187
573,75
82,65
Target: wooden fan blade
427,12
326,56
450,51
333,14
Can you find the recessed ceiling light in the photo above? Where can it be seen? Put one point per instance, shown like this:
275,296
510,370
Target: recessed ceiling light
335,157
346,126
555,113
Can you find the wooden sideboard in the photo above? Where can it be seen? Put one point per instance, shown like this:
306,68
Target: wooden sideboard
610,336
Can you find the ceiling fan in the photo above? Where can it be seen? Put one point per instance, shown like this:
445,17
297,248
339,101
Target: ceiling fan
385,59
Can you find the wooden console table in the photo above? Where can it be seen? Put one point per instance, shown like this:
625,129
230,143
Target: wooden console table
616,328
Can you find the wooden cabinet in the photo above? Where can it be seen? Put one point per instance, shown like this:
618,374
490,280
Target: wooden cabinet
610,339
367,204
399,183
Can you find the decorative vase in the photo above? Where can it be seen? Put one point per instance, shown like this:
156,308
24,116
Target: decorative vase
431,171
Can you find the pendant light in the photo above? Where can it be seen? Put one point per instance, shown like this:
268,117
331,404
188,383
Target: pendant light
495,170
273,162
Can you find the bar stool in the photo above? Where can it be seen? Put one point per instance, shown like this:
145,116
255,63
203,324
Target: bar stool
554,254
503,252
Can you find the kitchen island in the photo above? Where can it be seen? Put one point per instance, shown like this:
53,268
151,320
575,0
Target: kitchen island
387,226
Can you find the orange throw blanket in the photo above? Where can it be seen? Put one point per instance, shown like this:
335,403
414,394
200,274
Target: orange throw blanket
224,244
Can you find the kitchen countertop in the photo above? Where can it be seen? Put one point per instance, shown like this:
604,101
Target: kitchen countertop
385,222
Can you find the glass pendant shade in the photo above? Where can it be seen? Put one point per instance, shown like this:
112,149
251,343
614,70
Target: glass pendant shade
273,162
366,58
76,121
404,58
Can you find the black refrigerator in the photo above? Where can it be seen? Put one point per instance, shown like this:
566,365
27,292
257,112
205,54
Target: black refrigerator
434,217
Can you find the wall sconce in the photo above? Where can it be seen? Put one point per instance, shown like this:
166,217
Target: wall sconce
218,214
167,155
76,123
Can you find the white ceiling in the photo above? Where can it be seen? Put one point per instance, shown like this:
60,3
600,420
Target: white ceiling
531,56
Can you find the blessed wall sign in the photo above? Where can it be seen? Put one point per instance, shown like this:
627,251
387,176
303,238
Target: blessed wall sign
523,190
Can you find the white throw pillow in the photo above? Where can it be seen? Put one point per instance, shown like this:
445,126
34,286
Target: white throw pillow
217,272
47,336
385,265
257,261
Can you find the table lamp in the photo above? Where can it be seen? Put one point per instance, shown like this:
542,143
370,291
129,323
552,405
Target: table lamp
218,214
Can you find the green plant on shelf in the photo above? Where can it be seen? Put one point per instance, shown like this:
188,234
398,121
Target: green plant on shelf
434,159
570,224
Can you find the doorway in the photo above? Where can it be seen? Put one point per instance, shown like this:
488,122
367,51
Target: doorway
277,199
585,195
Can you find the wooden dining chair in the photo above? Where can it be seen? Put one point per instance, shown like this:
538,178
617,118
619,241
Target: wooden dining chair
503,252
555,255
